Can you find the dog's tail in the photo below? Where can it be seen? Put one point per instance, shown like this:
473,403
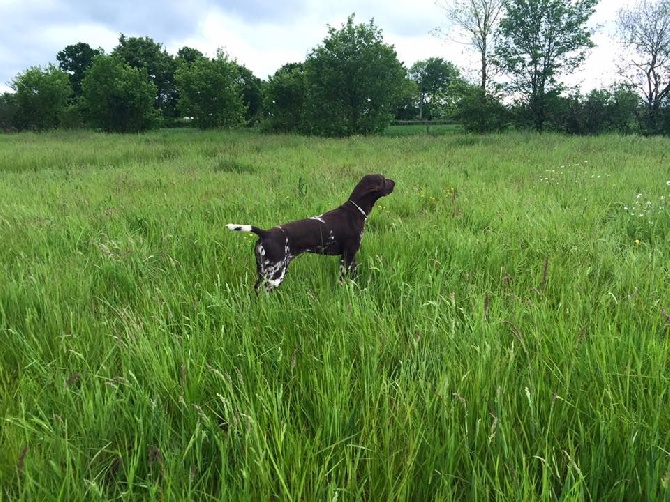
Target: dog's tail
246,228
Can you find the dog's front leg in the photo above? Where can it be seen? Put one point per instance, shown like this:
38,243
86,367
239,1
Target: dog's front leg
348,266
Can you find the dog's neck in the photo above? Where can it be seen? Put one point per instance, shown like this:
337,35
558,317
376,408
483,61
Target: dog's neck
359,209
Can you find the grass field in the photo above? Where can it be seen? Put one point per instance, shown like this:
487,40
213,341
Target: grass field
508,336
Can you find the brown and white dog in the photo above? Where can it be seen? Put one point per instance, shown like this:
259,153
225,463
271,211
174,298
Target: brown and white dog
336,232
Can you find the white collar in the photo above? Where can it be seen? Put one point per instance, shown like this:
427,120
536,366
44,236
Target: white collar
359,208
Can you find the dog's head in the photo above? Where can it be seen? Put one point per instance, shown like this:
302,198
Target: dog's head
372,187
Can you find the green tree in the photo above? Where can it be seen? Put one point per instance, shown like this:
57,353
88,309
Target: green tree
481,112
624,105
144,53
435,77
602,110
8,109
645,31
211,92
117,97
354,81
252,94
188,55
75,60
41,96
407,107
538,41
285,99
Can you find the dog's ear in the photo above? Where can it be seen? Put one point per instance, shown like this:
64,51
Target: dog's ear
374,183
370,184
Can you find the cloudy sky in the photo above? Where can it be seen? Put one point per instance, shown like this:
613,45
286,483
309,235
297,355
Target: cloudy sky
260,34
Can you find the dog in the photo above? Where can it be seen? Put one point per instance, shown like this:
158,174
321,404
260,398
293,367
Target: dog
336,232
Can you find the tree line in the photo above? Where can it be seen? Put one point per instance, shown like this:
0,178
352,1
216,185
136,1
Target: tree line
353,82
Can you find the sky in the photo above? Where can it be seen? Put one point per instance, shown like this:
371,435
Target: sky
262,35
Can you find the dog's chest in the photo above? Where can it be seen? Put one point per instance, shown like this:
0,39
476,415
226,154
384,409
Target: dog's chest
321,238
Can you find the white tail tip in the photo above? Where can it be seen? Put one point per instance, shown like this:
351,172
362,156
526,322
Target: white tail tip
239,228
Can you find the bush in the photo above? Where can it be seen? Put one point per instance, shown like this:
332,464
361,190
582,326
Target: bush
117,97
41,96
8,109
479,111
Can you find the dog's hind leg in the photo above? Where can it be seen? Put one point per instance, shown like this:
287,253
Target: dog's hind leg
271,266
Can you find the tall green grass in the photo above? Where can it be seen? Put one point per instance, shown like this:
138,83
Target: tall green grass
508,336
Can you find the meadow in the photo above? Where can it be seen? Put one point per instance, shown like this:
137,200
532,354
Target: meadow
507,337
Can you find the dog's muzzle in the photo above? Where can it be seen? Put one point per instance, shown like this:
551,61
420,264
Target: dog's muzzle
389,185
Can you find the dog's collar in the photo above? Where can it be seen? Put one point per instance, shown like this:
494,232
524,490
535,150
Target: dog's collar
359,208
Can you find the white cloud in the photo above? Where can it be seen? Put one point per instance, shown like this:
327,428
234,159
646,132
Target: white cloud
263,47
263,35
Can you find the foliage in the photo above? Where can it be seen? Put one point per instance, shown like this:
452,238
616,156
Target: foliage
117,97
600,111
507,337
623,105
354,85
75,60
188,55
436,80
482,112
41,96
407,107
663,121
645,31
252,95
211,92
144,53
286,99
8,108
354,81
539,41
479,19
